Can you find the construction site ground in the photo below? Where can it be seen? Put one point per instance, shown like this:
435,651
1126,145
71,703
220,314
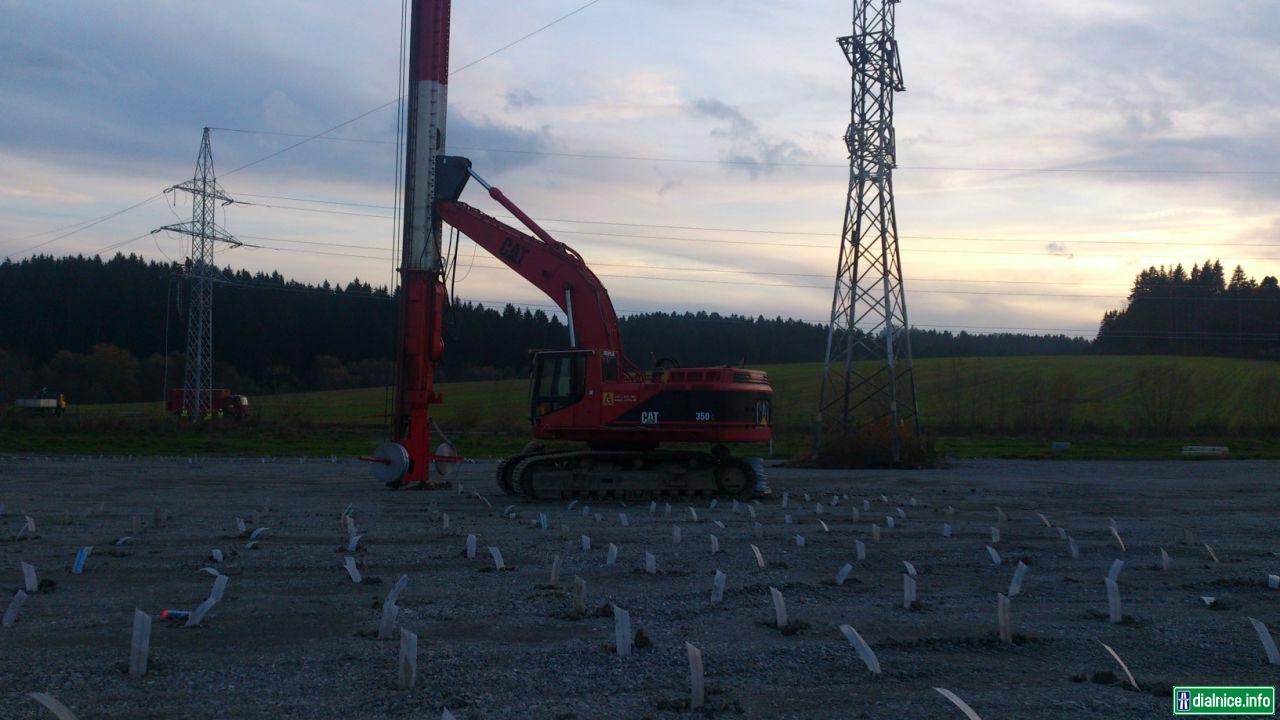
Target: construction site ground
294,637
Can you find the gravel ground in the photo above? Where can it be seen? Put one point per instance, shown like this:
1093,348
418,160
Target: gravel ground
295,638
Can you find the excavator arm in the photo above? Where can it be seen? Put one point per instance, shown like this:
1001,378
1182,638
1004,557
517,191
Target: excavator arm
550,265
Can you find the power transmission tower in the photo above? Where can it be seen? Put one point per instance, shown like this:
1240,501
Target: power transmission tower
206,196
866,376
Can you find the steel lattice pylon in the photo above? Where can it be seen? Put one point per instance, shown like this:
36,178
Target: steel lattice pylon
206,196
867,376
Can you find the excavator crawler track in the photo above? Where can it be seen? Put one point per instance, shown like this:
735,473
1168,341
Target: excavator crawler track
625,475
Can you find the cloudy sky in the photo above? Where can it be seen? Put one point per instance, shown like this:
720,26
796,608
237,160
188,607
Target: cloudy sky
1049,149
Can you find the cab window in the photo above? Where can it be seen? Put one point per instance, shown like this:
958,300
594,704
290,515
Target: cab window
560,381
609,367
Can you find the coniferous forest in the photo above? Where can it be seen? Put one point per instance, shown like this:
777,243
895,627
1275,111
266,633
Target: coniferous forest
98,329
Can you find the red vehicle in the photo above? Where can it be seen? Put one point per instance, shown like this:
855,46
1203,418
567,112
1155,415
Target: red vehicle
224,404
590,392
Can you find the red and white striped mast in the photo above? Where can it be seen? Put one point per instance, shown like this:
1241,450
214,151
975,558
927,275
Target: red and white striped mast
419,345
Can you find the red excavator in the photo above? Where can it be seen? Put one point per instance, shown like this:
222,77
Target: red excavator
588,393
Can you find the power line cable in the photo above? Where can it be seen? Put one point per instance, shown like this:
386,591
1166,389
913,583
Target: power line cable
825,165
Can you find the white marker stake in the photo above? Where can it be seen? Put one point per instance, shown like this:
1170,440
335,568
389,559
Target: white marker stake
586,543
995,556
1120,662
77,567
843,573
386,626
471,547
675,534
946,530
715,543
696,698
444,521
817,508
666,509
1116,567
612,557
351,526
1268,643
240,526
786,498
902,514
1003,619
862,648
542,521
1273,582
955,700
29,581
393,595
1212,554
786,519
497,558
408,665
1164,559
735,506
759,558
653,506
908,591
197,615
622,631
650,563
60,711
219,588
623,521
888,521
349,563
216,554
825,529
579,595
995,535
1044,520
799,540
911,569
693,513
779,607
140,646
717,587
1000,516
1116,534
856,515
866,506
875,533
1015,585
1073,548
860,548
1113,600
11,614
751,510
757,529
555,570
446,715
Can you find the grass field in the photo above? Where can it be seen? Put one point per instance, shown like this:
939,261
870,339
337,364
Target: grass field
1000,407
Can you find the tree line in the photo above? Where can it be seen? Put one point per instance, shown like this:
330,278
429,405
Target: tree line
109,330
1171,311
